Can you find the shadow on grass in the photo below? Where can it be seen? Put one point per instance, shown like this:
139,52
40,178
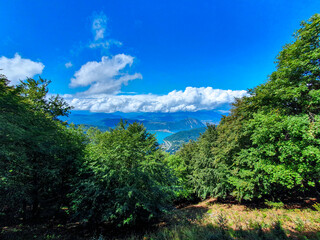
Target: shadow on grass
220,232
180,224
290,203
184,230
76,231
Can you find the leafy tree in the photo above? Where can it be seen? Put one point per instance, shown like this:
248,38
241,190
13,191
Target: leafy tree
206,174
182,165
126,180
268,147
38,155
194,165
284,130
181,170
36,93
275,138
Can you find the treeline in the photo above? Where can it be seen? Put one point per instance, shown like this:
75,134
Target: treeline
268,148
49,169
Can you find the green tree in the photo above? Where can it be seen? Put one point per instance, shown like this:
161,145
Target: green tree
126,180
273,141
206,175
38,155
284,158
35,92
268,147
195,166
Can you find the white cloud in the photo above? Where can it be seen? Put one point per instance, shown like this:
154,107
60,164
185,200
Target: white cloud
100,32
191,99
99,26
107,44
105,77
224,111
68,65
18,68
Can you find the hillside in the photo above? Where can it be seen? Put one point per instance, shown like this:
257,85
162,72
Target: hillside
84,117
173,142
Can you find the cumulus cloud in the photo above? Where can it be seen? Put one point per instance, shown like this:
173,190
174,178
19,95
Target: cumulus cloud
191,99
68,65
106,76
18,68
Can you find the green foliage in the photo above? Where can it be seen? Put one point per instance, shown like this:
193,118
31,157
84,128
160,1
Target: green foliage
195,167
205,173
282,154
317,206
35,93
127,181
38,154
276,205
268,147
179,169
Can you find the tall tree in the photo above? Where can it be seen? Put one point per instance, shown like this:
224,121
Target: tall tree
39,155
268,147
126,181
279,150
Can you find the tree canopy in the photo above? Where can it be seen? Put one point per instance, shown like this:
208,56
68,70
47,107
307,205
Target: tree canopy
268,147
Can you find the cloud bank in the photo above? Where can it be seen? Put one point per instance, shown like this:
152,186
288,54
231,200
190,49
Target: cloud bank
17,68
106,76
191,99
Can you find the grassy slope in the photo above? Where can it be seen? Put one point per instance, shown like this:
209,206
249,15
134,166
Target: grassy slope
206,220
209,220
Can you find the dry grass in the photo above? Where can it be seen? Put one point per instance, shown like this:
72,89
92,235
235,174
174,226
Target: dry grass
293,221
208,219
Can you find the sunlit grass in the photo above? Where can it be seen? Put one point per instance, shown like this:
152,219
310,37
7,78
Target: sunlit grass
207,220
231,221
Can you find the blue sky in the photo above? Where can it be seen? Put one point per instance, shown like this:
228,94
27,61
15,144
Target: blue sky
147,55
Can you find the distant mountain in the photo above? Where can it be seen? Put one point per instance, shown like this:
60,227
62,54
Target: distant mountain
174,126
89,118
78,117
159,123
170,126
204,116
187,135
173,142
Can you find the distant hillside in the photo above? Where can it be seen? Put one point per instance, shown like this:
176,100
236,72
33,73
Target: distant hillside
173,142
187,135
85,117
203,116
174,126
170,126
160,123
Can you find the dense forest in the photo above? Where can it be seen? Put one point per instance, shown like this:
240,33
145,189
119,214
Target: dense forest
266,150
